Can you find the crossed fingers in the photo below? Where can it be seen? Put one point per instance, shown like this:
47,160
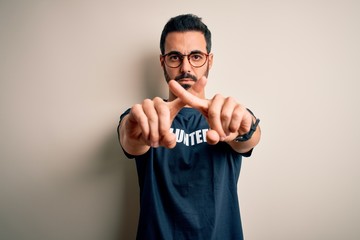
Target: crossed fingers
150,121
225,116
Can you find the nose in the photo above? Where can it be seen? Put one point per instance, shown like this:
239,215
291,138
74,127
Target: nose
185,66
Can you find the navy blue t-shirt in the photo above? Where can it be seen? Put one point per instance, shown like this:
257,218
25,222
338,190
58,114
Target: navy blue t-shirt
190,191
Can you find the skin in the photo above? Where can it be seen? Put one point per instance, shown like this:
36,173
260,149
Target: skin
148,123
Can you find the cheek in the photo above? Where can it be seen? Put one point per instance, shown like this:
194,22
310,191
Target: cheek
171,72
204,71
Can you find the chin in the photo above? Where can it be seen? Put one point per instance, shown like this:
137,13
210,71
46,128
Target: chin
186,86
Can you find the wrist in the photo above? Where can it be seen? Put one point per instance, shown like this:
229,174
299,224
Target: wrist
247,136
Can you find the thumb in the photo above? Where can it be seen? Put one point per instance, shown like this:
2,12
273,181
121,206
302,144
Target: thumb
175,106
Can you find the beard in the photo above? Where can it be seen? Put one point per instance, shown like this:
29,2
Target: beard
185,75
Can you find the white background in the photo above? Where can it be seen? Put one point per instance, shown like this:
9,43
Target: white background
68,69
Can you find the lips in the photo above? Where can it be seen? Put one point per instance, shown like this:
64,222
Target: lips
185,80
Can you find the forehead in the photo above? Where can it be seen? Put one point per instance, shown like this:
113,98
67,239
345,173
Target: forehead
185,42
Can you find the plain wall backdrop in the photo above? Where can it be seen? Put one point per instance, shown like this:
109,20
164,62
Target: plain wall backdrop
68,69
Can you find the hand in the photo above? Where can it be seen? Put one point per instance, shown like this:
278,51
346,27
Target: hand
227,118
150,121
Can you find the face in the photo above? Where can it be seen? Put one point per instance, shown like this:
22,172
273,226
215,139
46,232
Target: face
185,43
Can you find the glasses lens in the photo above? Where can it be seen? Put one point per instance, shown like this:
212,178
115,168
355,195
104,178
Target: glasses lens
174,60
197,59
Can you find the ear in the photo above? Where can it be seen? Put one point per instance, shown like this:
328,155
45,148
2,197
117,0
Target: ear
211,59
162,61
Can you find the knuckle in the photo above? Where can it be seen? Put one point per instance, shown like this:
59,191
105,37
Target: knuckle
157,100
225,116
212,114
136,109
242,108
234,126
147,102
236,115
218,96
230,99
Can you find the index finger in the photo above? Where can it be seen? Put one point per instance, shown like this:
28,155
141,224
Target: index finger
187,97
175,106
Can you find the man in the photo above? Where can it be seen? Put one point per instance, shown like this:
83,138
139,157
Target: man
188,149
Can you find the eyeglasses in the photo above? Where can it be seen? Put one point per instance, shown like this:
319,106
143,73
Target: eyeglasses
175,59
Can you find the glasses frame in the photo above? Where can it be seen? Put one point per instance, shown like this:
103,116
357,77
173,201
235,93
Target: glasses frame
182,56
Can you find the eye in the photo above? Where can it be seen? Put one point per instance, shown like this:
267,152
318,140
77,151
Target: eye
196,57
174,57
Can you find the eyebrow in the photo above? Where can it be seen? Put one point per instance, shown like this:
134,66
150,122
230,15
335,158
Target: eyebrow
179,53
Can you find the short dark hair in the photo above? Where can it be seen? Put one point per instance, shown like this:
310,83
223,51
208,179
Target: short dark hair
184,23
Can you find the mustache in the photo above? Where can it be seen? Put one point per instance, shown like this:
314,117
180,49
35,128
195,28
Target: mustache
186,75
